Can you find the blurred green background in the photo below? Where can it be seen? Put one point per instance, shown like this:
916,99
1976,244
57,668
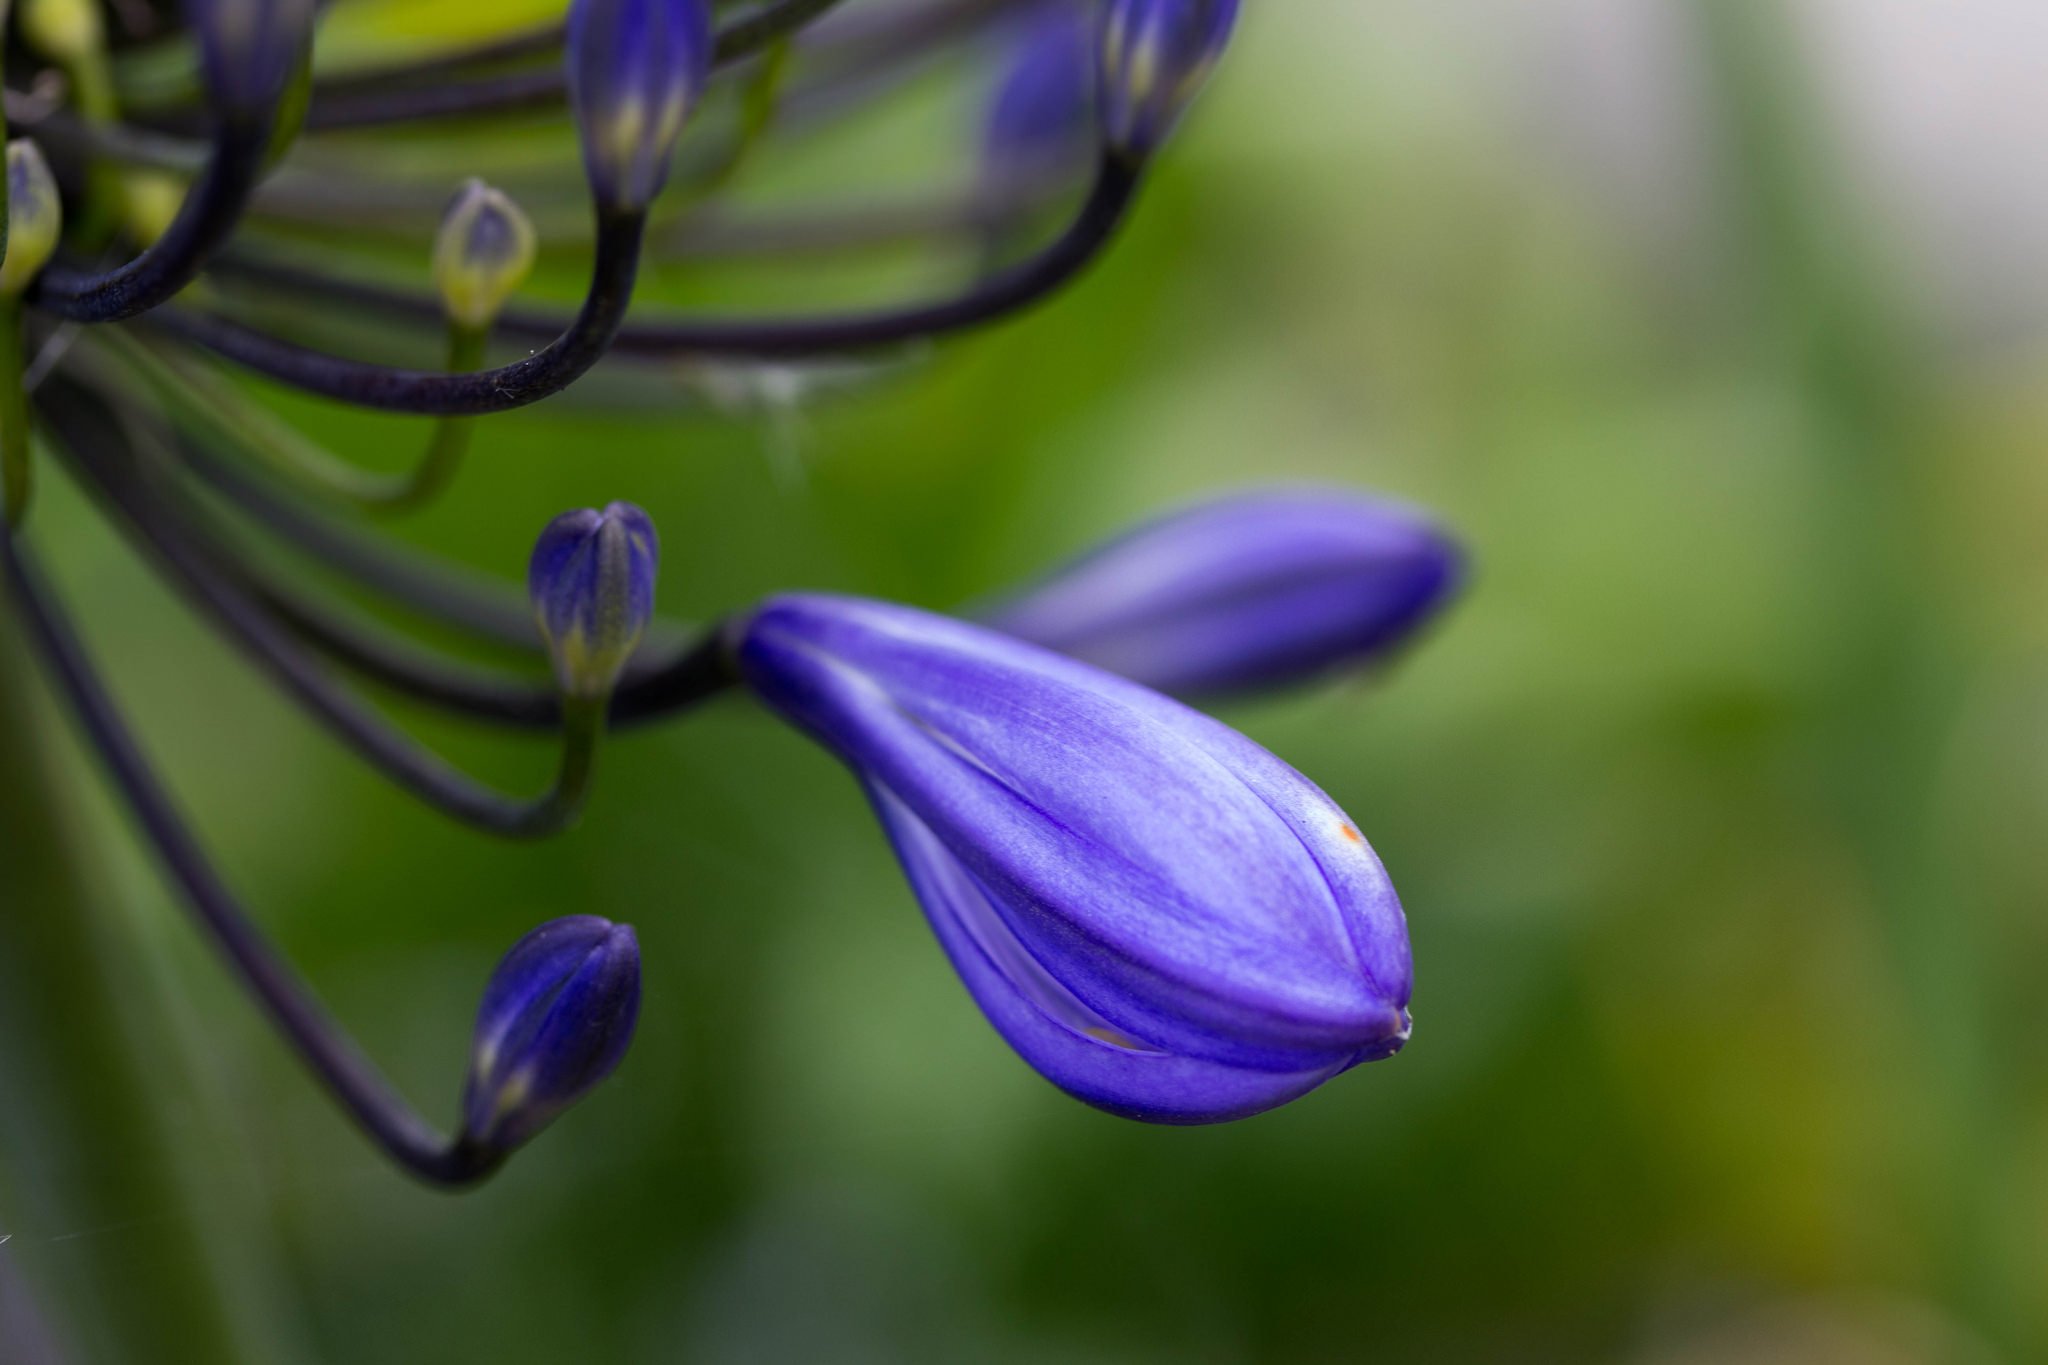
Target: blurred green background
1717,804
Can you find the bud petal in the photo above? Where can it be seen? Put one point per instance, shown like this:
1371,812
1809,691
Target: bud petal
1155,56
592,584
1160,916
1038,119
484,252
1256,590
555,1020
250,50
35,216
636,69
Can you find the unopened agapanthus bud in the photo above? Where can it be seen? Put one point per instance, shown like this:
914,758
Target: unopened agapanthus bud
1038,119
1256,590
556,1019
35,216
592,583
484,252
1161,917
1155,56
250,51
150,201
636,69
66,31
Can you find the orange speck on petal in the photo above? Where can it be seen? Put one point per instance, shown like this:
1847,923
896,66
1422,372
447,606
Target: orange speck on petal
1351,832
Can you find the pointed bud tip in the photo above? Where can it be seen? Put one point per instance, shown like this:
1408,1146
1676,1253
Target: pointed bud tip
35,216
556,1019
592,581
249,53
484,251
1156,54
66,31
636,70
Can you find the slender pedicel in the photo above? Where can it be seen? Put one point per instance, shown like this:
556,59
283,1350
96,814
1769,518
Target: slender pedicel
384,747
391,96
668,680
989,300
249,53
596,1022
636,69
34,218
425,392
430,590
205,403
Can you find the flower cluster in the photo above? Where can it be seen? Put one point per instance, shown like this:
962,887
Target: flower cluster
1161,917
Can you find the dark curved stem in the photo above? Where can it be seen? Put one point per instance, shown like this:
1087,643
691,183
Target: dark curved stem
993,297
678,676
209,214
575,348
244,624
349,1076
689,675
427,589
338,106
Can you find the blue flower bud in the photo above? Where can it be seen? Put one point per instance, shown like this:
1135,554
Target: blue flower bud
1161,917
250,50
592,584
1256,590
1038,120
636,69
555,1020
1155,56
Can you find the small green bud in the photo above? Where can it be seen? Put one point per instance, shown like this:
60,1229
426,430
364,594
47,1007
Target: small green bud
150,200
65,31
483,253
35,217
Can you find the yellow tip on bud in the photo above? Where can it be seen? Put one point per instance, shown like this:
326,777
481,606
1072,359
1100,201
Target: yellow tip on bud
65,31
35,217
484,252
149,201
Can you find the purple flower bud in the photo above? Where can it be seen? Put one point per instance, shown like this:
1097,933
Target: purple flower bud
1164,919
1256,590
636,69
249,50
1038,121
556,1019
592,584
1155,56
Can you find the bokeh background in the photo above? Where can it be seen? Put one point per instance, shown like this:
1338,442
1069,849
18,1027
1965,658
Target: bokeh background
1717,329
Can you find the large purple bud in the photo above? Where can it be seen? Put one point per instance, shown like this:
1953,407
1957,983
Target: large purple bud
1164,919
